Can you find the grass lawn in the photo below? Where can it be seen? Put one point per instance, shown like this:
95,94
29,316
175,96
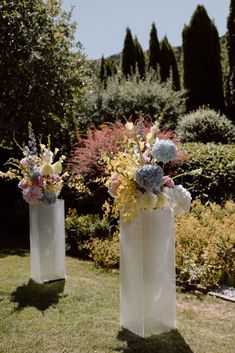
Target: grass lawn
82,315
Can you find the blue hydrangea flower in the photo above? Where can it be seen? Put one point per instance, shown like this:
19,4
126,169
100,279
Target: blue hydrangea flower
150,177
35,172
49,197
164,151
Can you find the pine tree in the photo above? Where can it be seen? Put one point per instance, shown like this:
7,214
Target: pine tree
154,49
201,62
230,79
168,64
140,59
128,54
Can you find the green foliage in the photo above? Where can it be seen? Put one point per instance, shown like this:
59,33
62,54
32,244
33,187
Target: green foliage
230,79
80,230
205,244
128,54
201,61
154,49
132,96
41,77
205,125
217,180
168,64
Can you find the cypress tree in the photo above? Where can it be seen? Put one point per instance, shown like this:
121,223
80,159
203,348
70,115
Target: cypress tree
128,54
168,64
102,75
154,49
230,79
140,59
165,59
110,68
201,62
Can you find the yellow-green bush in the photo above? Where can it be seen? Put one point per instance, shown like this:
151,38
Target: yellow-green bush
106,252
205,244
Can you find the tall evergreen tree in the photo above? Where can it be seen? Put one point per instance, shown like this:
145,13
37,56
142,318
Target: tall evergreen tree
168,64
128,54
154,48
230,79
201,62
110,68
165,60
102,74
140,59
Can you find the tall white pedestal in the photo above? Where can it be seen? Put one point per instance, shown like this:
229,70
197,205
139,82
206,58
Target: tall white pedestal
47,241
147,273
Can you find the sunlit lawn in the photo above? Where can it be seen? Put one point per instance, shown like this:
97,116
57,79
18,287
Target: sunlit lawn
82,315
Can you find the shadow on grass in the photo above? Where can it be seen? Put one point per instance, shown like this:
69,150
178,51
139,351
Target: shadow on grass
169,342
11,252
41,296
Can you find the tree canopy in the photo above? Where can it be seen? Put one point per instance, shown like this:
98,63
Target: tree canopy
40,72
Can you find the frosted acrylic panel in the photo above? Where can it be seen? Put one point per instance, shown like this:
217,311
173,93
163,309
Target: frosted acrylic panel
47,241
147,273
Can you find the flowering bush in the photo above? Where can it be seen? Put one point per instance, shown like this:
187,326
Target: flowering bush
137,174
39,175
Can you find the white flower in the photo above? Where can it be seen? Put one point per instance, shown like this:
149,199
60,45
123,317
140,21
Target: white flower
57,167
47,156
129,126
179,199
46,170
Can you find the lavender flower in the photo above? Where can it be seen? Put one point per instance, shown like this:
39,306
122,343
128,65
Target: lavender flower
150,177
164,151
32,144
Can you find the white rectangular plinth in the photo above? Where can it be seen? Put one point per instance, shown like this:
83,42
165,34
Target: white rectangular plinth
47,241
147,273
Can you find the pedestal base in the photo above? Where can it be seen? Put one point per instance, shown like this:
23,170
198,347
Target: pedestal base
147,273
47,241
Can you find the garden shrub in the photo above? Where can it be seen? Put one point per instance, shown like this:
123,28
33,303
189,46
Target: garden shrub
80,230
205,244
106,252
133,96
216,183
205,125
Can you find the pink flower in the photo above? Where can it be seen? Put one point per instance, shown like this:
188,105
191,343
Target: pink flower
24,162
38,181
55,177
168,182
23,184
32,194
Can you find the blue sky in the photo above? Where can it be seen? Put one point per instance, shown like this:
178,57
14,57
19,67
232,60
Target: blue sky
101,24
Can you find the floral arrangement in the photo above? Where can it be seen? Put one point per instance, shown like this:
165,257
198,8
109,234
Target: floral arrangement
40,177
137,175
